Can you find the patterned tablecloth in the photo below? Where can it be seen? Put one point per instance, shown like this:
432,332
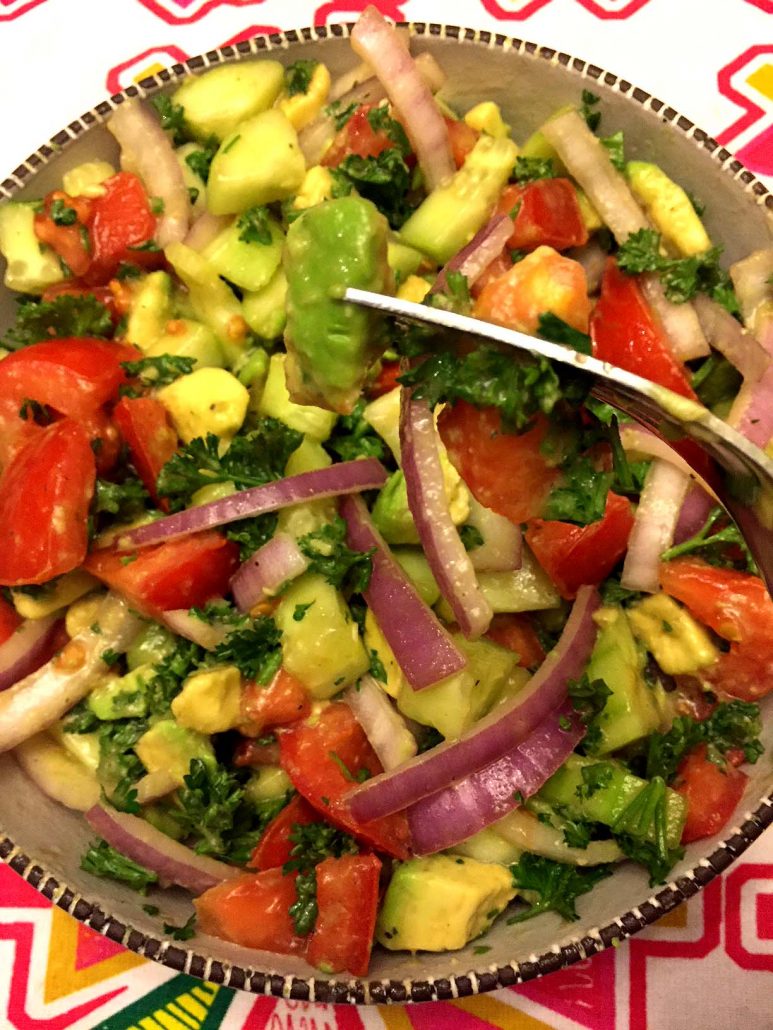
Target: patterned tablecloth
708,965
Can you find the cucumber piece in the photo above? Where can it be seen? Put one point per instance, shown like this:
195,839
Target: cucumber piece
265,312
416,567
258,163
196,186
451,215
186,338
216,102
314,422
152,645
668,206
606,804
249,265
31,266
402,259
150,311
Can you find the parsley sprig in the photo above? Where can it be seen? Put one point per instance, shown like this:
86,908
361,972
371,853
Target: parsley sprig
555,885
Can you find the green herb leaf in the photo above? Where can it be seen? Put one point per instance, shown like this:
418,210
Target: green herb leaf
64,316
158,371
250,534
330,557
200,161
255,650
184,932
591,116
103,860
615,148
172,117
353,437
384,180
61,214
556,329
529,169
254,225
556,885
588,699
581,494
298,76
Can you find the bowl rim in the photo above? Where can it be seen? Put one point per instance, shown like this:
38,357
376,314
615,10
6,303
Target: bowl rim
493,977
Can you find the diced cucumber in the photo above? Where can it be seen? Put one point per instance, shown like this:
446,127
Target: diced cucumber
150,311
265,312
151,646
314,422
416,567
31,266
250,265
187,338
217,101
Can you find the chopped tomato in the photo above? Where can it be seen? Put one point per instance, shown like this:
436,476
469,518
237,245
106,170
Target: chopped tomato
122,228
180,573
314,756
501,264
462,139
105,439
252,910
17,428
10,620
545,213
386,380
577,555
74,376
737,606
543,281
506,472
145,426
626,333
347,900
62,224
283,700
516,633
274,847
357,137
712,793
45,492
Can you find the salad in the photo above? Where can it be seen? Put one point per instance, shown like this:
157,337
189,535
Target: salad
356,632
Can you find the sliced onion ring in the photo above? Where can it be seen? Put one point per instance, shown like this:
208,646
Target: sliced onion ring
487,795
423,648
272,565
483,248
448,559
376,42
343,478
492,736
205,229
25,649
653,530
146,148
173,862
206,634
733,342
384,727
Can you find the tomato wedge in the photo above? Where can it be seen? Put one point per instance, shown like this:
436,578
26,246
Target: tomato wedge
712,793
283,700
506,472
574,556
45,492
273,848
10,620
357,137
625,332
122,229
252,910
516,633
180,573
74,376
145,426
347,899
545,213
313,756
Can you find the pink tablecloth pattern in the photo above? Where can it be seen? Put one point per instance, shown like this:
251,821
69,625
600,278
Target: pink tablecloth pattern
708,965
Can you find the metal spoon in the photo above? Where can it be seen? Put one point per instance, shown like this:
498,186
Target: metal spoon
746,490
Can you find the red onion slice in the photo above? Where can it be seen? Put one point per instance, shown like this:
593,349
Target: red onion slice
384,727
751,278
25,649
494,735
146,148
752,410
502,547
205,229
272,565
588,161
439,537
483,248
487,795
376,42
423,648
733,342
693,513
344,478
173,862
36,702
206,634
653,530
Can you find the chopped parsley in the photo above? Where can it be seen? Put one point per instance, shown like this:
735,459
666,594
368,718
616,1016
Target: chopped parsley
615,147
61,214
254,225
103,860
641,831
384,180
252,533
311,844
298,76
376,669
713,544
64,316
299,612
581,494
588,109
184,932
254,650
200,161
158,371
353,437
557,330
594,778
172,117
588,698
330,557
470,536
556,885
529,169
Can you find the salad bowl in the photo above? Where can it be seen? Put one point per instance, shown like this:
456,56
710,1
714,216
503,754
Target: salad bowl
43,842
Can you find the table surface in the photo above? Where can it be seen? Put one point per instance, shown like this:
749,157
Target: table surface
706,965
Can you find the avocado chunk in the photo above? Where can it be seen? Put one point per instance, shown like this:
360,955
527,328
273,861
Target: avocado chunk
55,595
151,646
169,748
308,457
58,773
441,902
668,206
393,517
605,803
150,310
210,700
316,423
187,338
217,101
455,703
267,783
209,400
258,163
323,648
451,215
679,644
331,345
248,263
122,697
30,266
633,709
264,310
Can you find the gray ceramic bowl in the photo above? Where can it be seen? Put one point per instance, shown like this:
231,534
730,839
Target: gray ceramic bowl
43,842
